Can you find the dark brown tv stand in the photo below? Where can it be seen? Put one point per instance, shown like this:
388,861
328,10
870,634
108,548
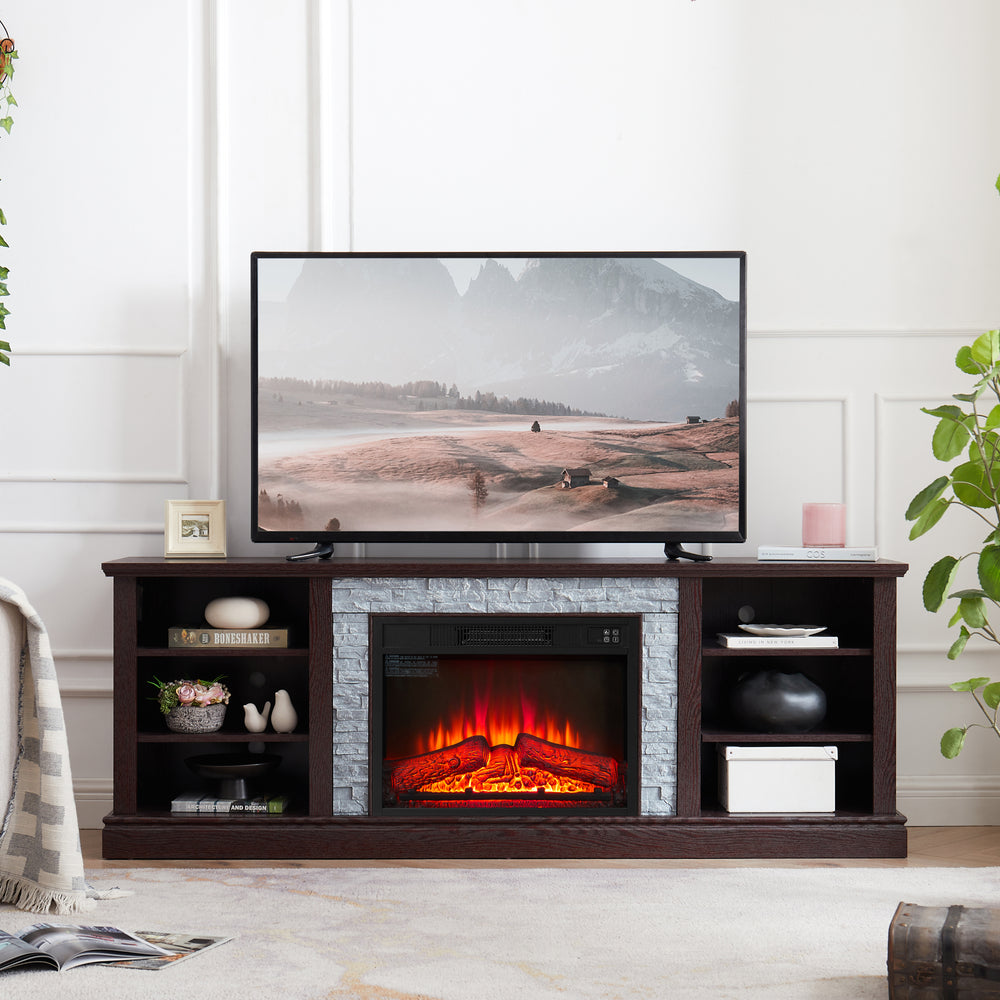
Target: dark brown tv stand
857,601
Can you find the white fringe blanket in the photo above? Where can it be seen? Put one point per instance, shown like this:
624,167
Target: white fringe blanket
41,866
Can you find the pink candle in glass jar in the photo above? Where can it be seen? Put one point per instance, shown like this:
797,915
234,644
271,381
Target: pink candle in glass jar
824,525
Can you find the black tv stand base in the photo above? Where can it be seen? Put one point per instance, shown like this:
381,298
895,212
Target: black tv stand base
674,551
323,550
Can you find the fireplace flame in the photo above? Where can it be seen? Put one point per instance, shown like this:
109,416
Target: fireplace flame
500,720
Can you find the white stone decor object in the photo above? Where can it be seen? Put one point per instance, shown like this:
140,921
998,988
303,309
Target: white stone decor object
237,612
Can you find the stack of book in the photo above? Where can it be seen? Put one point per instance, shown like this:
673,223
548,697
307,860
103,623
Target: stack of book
196,802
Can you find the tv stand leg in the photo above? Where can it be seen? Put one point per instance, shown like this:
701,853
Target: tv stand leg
323,550
674,551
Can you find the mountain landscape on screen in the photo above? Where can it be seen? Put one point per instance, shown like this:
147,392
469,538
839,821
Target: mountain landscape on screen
495,395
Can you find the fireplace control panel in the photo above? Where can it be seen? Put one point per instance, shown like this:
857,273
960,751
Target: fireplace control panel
606,635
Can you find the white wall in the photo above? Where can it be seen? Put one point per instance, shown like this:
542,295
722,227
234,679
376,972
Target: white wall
850,148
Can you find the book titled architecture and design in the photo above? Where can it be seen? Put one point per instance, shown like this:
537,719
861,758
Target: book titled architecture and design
227,638
197,803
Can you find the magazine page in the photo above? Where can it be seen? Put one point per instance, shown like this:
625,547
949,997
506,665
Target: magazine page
15,952
180,946
71,946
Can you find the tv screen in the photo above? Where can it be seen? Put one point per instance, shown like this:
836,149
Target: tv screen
570,397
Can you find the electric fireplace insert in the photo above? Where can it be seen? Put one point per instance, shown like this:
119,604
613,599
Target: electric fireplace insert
514,713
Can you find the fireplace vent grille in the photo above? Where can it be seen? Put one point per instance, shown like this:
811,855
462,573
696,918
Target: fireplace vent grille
496,635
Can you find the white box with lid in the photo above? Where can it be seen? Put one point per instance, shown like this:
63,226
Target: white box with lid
767,779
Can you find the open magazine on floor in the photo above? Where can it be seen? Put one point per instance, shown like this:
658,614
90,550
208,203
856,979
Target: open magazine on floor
65,946
178,946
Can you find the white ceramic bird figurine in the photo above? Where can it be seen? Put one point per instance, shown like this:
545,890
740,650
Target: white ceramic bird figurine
256,722
284,718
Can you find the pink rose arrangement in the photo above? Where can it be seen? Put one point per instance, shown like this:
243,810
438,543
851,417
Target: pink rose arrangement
199,693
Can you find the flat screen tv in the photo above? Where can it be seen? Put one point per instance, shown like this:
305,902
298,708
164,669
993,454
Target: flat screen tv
549,397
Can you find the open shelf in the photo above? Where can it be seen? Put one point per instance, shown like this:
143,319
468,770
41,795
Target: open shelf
717,650
792,739
221,737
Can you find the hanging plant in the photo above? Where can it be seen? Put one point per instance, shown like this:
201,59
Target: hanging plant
7,103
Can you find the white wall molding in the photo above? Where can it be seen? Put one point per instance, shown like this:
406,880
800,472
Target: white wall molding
94,798
78,528
846,403
85,689
866,333
84,673
99,351
940,800
93,478
202,439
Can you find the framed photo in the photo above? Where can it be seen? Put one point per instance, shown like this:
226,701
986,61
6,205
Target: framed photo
195,528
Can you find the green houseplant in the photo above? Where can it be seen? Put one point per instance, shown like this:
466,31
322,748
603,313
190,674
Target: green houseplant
968,431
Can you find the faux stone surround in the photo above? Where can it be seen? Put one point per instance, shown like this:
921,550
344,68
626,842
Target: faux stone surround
654,599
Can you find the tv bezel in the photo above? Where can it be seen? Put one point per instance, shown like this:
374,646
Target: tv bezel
671,539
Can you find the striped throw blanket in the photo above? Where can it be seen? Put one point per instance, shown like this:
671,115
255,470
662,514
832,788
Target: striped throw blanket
41,866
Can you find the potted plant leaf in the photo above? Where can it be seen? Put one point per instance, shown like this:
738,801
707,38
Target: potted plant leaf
968,433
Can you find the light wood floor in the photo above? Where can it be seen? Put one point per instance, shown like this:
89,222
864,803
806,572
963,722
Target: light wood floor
929,847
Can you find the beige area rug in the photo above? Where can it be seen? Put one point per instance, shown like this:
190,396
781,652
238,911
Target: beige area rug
510,934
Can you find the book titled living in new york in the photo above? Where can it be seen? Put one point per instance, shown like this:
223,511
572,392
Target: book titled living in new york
740,640
226,638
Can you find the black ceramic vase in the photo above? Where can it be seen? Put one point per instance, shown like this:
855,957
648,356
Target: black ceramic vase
772,701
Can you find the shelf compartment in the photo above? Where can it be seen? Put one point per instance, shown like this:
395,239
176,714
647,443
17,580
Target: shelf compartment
853,774
251,678
162,604
846,682
837,603
166,760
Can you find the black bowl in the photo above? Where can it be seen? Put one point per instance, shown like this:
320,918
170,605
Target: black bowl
233,769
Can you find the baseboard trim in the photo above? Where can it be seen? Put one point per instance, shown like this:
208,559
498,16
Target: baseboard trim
94,799
936,800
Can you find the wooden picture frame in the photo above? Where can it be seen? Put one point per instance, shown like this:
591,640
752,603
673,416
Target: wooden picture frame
195,528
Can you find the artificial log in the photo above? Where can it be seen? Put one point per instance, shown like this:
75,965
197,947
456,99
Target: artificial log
568,762
503,765
410,773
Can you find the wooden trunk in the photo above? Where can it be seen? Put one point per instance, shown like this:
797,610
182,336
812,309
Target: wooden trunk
944,953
